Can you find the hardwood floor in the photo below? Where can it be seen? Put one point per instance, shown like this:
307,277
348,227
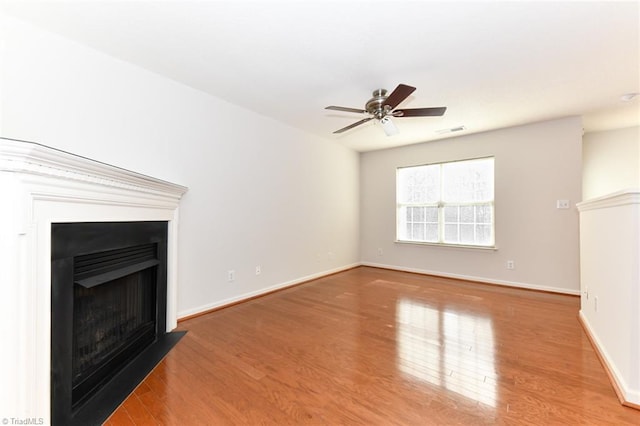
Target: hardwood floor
378,347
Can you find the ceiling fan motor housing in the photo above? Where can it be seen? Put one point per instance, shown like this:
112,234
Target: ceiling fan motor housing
375,106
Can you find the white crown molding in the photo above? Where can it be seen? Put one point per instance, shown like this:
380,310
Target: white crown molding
39,160
616,199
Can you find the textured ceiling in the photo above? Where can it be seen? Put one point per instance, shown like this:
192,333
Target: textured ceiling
493,64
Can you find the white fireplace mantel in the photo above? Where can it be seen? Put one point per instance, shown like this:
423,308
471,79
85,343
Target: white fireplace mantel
40,186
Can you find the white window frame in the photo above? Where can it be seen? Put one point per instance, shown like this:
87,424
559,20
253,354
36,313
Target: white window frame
440,205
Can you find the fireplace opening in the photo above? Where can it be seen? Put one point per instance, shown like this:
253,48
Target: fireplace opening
108,314
114,318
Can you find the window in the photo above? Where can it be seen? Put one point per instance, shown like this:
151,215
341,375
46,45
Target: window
446,203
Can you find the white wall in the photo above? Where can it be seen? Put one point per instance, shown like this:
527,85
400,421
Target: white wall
610,273
535,165
260,193
611,161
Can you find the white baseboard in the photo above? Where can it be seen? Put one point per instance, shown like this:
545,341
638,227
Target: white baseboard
626,395
477,279
220,303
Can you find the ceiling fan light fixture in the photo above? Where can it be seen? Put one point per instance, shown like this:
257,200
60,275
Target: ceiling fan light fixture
388,126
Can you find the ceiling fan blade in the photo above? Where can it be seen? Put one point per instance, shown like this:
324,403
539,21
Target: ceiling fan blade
351,126
345,109
401,93
419,112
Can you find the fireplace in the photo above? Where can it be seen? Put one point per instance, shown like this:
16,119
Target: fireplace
108,308
116,289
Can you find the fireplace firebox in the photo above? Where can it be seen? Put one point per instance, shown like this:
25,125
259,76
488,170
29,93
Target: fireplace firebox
108,314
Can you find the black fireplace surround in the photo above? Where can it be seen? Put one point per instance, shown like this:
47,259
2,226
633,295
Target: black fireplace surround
108,314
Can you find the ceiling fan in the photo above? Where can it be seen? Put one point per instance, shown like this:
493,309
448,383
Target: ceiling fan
382,107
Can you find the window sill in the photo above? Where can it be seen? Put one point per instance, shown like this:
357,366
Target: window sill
457,246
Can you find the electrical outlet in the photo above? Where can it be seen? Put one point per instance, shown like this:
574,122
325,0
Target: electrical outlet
258,270
380,251
562,204
595,303
231,275
511,264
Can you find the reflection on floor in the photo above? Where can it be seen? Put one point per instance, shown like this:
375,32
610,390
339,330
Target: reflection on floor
448,349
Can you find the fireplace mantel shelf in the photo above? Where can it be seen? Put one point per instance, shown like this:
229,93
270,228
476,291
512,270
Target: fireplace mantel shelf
36,159
40,186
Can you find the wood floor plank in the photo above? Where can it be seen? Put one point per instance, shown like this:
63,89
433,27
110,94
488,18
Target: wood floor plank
380,347
138,412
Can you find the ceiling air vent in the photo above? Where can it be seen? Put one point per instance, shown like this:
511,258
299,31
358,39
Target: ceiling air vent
451,130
